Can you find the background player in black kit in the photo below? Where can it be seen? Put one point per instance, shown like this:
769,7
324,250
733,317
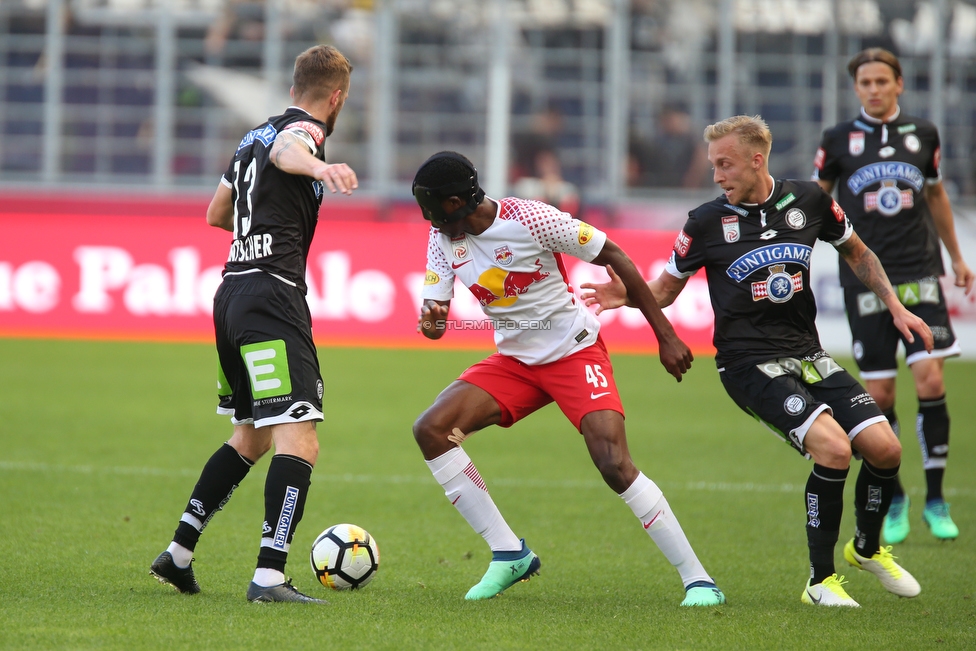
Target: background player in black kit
269,380
754,243
885,165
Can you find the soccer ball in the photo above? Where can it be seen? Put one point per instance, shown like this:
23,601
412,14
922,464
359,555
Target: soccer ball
345,556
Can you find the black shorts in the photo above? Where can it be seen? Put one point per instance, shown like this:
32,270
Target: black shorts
787,394
875,337
268,369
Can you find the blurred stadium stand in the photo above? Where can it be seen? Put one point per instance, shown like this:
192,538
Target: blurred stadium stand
146,94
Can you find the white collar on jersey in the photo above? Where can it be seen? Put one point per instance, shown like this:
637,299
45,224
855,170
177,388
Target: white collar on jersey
872,120
298,108
771,193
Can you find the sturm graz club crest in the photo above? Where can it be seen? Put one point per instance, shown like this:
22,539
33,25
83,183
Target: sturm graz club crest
779,287
795,219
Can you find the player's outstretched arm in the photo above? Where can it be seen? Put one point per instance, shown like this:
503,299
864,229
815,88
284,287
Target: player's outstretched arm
607,296
868,269
433,318
675,355
613,294
291,154
938,200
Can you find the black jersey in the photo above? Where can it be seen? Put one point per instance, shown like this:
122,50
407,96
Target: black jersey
881,171
757,263
274,212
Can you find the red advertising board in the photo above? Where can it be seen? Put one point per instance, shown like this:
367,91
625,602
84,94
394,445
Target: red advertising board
152,276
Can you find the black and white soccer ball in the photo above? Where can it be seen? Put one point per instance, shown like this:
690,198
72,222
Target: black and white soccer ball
344,557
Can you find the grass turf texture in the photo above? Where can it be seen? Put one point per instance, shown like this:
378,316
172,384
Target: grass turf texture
102,442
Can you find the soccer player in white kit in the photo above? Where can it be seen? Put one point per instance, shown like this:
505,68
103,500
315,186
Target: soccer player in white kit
508,253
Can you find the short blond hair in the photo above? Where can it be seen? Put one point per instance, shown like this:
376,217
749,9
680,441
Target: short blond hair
751,130
319,71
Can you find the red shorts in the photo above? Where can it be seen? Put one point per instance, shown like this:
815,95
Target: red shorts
580,383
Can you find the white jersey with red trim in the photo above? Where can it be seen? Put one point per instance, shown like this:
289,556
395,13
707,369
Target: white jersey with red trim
516,272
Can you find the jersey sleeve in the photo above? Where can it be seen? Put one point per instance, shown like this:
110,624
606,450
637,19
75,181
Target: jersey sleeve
836,227
311,134
826,165
557,231
439,279
688,253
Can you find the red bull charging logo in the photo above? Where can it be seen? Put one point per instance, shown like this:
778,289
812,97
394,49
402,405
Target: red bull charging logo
501,288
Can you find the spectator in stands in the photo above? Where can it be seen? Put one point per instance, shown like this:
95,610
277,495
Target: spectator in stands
543,136
546,183
673,158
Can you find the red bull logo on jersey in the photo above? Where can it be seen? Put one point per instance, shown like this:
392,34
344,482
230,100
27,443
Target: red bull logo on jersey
500,288
503,255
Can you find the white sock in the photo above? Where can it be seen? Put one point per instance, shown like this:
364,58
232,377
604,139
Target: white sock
647,502
467,492
181,555
266,577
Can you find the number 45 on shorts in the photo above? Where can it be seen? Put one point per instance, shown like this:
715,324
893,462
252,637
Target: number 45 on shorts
595,376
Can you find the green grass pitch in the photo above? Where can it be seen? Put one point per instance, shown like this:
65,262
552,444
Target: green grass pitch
102,443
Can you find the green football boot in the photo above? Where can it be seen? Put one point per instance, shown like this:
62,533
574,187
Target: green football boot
703,593
505,570
896,525
936,516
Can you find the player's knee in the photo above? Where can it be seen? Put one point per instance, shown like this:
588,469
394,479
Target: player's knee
428,430
883,392
887,455
836,453
930,386
618,473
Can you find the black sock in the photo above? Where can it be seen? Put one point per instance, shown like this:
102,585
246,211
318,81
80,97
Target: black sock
933,435
825,506
933,484
222,473
898,492
284,503
872,497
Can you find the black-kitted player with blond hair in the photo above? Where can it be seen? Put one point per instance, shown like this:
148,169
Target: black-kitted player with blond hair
754,243
885,166
269,381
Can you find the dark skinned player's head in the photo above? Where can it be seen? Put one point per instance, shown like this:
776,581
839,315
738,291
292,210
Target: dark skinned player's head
444,175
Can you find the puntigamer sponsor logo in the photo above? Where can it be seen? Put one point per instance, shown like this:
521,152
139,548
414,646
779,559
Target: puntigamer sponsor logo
287,514
265,136
884,171
767,255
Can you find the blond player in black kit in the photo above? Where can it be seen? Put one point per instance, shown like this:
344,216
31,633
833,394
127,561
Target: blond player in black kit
885,167
268,377
754,243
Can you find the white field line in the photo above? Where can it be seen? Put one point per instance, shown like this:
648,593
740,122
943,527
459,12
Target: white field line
349,478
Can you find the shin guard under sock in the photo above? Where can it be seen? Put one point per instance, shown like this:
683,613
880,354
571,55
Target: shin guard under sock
825,506
872,497
932,428
222,473
285,491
